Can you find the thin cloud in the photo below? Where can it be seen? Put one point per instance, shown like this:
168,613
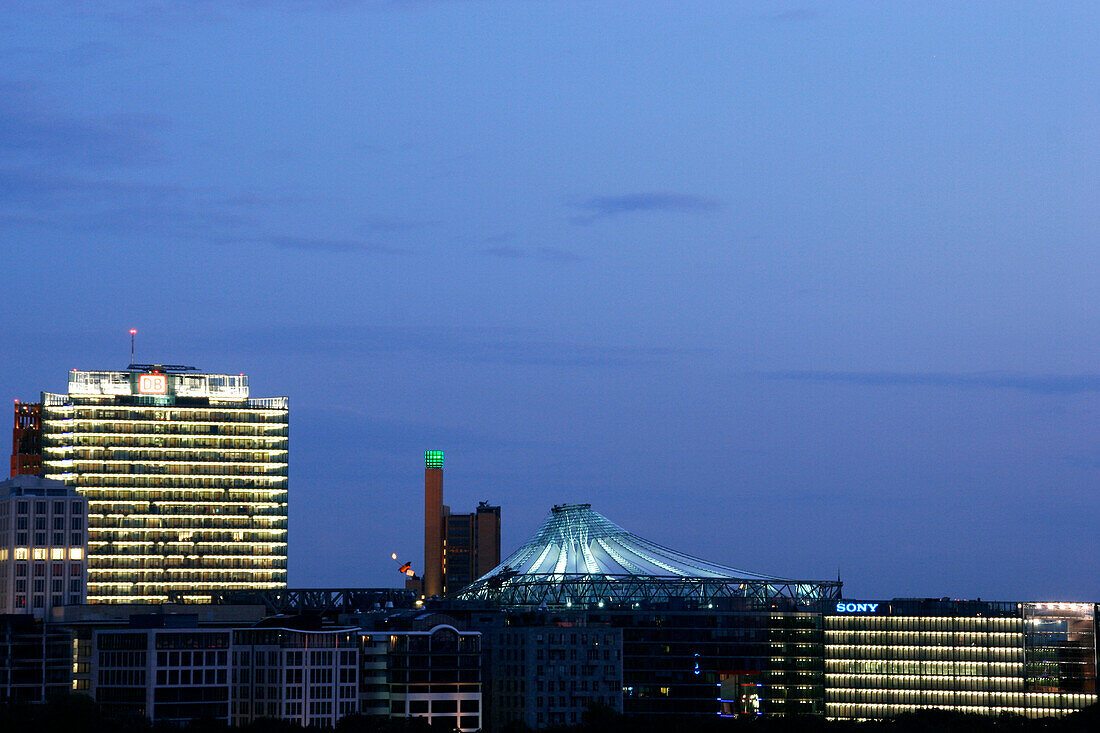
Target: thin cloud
602,207
459,345
162,12
1048,384
395,224
35,136
794,15
159,219
312,244
545,254
92,204
45,188
90,53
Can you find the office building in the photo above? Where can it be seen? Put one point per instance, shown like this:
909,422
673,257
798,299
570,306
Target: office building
884,658
458,548
543,672
328,655
432,670
42,545
26,439
83,622
306,675
168,668
471,545
185,476
174,673
374,681
35,659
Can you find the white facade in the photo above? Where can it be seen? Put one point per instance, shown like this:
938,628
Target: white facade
43,547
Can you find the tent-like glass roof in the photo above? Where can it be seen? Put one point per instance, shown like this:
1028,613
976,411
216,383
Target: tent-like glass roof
578,556
576,539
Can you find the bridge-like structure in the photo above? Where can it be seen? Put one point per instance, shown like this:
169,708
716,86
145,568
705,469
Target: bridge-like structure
320,600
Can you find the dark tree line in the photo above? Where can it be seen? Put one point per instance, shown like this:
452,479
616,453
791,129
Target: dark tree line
81,714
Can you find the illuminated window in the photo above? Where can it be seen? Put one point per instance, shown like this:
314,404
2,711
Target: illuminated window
76,553
57,553
39,553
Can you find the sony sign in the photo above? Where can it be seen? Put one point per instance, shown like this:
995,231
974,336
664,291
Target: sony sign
856,607
153,384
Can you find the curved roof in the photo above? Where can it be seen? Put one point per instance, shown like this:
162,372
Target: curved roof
580,557
574,539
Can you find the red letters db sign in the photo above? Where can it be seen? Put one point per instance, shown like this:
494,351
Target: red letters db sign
153,384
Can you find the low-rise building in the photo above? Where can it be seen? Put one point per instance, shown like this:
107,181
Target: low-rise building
34,659
308,676
174,673
551,674
432,670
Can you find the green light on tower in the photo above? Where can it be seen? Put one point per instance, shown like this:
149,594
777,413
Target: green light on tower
433,459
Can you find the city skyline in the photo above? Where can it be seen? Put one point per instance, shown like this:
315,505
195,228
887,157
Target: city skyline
789,287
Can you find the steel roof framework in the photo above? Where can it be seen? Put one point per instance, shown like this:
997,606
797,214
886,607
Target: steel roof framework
580,558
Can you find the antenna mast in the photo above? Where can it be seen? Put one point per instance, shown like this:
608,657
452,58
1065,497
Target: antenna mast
133,332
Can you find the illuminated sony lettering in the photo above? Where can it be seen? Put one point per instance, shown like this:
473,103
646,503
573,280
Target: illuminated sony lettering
856,607
153,384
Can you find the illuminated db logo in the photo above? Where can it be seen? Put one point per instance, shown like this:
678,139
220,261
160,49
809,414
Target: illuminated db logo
153,384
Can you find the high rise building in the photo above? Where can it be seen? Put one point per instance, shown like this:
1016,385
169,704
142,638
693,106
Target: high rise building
458,548
26,439
472,546
185,476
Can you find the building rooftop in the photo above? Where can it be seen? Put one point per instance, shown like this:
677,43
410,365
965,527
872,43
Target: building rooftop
578,556
576,539
28,485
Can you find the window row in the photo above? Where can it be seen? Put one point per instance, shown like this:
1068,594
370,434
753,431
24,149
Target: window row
173,677
38,601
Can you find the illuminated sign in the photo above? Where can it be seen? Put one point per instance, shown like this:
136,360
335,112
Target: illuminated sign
856,607
153,384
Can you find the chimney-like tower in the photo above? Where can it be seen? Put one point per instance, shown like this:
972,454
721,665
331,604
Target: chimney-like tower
433,523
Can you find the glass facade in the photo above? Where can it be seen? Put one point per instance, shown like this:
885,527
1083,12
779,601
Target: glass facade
1060,648
720,660
966,656
435,675
187,490
310,677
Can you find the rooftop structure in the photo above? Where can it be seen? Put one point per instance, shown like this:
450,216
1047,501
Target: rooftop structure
579,557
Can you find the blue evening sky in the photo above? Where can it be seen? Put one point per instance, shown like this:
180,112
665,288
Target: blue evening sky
795,287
